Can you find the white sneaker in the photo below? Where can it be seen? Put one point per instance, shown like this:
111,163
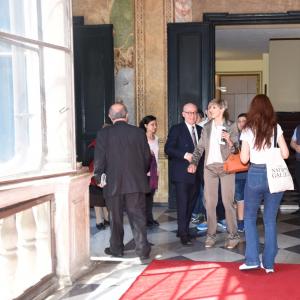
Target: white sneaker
267,270
245,267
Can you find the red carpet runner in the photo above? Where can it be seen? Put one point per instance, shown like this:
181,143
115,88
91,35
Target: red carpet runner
183,279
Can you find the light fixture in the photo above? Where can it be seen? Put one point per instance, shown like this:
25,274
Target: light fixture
223,89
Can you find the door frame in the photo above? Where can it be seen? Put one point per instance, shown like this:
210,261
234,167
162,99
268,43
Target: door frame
258,74
211,20
215,19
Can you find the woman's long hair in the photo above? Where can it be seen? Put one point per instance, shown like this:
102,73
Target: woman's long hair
146,120
261,119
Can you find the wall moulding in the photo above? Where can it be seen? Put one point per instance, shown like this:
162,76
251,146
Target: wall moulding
140,46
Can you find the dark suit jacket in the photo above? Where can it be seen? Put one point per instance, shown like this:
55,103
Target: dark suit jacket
123,154
178,143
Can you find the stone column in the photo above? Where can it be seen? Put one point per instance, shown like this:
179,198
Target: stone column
8,256
151,18
26,251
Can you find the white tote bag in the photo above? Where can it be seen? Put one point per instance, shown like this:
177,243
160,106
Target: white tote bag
279,177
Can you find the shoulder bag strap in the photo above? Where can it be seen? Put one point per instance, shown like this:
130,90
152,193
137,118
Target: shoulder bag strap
275,136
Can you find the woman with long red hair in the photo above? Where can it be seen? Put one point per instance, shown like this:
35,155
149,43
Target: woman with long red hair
257,142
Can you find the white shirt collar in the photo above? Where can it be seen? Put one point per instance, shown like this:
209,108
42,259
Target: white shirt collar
190,126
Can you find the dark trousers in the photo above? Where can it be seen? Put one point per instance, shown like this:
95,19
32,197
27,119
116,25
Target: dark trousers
186,197
135,206
199,206
149,206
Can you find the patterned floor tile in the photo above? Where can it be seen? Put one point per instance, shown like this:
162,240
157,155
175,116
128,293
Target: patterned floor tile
80,290
294,221
293,233
290,255
165,218
214,254
294,249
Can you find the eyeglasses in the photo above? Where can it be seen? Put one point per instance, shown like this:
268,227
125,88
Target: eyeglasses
190,113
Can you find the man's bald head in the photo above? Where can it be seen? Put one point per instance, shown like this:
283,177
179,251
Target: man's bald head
118,111
188,106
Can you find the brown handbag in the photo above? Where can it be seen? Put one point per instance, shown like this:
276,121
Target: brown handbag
233,164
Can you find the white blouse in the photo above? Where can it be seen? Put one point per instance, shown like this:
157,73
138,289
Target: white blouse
154,147
214,153
258,156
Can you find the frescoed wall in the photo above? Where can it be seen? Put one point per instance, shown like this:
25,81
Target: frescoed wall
122,17
120,13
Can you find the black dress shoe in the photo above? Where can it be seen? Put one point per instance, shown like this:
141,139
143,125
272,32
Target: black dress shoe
100,226
144,256
190,237
149,223
185,241
106,223
155,223
108,252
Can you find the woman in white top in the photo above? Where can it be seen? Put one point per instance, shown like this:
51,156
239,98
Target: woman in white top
149,125
257,140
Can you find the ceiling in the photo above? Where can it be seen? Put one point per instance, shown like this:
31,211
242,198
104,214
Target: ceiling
249,42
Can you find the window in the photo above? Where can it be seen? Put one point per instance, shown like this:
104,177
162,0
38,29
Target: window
36,89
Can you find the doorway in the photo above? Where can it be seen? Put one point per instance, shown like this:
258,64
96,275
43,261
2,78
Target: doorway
238,90
195,43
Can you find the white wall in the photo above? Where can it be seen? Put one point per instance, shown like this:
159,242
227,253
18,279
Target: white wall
284,74
239,66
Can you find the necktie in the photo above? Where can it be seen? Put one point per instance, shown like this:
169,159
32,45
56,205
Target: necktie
194,136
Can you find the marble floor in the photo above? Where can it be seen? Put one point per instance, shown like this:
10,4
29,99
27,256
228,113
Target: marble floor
110,277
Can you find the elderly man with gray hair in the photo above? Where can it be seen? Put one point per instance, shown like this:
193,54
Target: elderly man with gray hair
122,153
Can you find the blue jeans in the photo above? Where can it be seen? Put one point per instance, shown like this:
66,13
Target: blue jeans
256,190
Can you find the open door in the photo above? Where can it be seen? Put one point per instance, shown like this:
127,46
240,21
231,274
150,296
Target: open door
94,82
191,71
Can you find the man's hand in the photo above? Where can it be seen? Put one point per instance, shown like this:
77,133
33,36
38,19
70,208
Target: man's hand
192,168
188,157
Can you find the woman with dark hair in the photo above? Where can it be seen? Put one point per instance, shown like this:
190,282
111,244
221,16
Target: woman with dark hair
149,125
257,141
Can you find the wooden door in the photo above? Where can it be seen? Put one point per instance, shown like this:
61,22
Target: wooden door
190,71
94,82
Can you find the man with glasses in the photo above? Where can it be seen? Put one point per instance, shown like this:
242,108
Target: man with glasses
180,145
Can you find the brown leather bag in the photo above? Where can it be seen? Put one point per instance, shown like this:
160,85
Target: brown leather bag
233,164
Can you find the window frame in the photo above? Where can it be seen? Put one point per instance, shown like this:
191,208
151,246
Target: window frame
40,46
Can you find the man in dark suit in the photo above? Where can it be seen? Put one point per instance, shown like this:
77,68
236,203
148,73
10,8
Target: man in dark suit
179,147
122,153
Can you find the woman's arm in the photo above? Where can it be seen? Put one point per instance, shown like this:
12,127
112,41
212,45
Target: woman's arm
245,152
283,147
